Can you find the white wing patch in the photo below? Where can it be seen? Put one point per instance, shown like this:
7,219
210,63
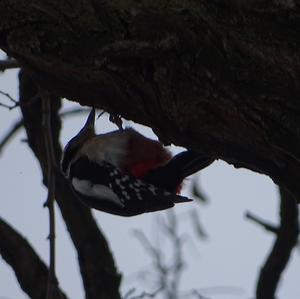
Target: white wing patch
101,192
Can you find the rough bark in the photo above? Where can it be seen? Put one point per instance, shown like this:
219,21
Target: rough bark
206,76
98,271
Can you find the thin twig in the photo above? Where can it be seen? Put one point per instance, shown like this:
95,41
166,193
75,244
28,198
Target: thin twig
74,111
220,290
117,120
129,293
155,253
157,258
51,187
169,275
178,263
197,225
198,192
147,295
100,114
267,226
198,295
9,135
7,95
17,103
8,64
7,106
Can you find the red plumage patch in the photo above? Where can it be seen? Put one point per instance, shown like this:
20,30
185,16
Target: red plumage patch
146,154
140,169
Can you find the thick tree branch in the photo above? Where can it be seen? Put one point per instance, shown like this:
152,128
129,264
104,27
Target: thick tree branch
31,272
99,274
211,78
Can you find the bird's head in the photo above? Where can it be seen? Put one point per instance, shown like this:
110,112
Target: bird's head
74,145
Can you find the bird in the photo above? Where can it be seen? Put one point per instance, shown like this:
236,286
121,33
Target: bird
125,173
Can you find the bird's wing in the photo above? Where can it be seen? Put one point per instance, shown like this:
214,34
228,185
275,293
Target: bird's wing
104,187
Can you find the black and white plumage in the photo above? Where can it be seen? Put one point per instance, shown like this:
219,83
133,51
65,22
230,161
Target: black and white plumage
125,173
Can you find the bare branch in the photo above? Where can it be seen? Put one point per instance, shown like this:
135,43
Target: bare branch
144,295
267,226
197,191
128,294
168,274
197,225
29,269
16,103
98,271
7,95
198,295
155,253
73,111
177,245
51,164
280,254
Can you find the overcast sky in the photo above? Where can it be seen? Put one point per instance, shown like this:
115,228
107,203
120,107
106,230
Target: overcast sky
230,257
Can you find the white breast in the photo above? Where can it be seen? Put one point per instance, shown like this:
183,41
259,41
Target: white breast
100,192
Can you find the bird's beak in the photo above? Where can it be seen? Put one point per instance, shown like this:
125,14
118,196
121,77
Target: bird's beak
90,122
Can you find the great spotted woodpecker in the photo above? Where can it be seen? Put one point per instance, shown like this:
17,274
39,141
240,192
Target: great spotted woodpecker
125,173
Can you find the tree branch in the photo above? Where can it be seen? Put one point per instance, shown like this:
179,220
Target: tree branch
11,99
267,226
99,274
169,274
145,295
285,242
220,81
30,271
51,165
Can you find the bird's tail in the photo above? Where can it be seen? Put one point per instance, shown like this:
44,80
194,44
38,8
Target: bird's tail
188,163
170,176
180,199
